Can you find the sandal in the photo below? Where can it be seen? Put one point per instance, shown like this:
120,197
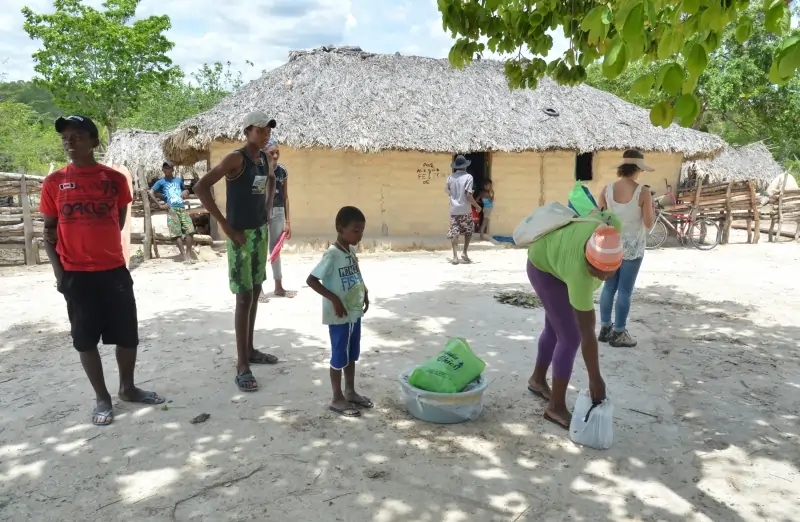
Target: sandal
349,412
102,417
363,402
246,382
145,397
260,357
538,393
558,422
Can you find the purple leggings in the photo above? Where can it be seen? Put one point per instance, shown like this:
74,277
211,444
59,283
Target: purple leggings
561,337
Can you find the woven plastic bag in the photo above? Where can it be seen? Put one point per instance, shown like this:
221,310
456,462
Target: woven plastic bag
592,423
449,371
544,220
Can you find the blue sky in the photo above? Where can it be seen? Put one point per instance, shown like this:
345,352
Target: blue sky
261,31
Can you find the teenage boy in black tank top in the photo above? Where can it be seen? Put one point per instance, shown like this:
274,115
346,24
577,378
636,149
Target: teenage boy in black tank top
250,184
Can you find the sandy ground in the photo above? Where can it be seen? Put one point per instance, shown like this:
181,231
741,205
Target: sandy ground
706,405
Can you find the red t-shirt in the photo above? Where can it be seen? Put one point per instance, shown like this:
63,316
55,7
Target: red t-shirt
87,203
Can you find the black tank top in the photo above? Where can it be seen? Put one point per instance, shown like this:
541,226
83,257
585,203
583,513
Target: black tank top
246,205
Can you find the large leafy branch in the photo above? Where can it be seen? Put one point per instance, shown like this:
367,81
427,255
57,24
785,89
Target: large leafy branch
681,34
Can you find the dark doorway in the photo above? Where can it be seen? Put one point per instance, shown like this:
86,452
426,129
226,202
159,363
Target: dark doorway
583,167
479,168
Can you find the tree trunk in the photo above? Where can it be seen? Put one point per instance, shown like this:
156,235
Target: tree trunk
699,120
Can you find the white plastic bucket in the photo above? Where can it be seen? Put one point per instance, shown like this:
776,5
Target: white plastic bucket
443,408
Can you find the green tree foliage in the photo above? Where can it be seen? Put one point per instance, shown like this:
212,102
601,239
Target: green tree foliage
164,107
36,97
682,34
97,63
737,99
26,141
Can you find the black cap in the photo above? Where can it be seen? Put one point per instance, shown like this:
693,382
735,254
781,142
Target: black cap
168,163
79,122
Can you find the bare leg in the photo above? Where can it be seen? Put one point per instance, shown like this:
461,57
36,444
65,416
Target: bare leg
557,407
244,305
251,324
93,366
181,249
464,256
126,360
454,242
190,246
350,387
339,403
538,381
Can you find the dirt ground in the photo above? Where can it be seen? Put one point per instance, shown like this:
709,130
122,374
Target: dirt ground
706,427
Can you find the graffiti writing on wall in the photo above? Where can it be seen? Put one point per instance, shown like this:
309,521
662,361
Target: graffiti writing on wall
428,172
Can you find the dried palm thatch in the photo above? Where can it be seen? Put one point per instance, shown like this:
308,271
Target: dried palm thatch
137,149
346,98
519,298
750,162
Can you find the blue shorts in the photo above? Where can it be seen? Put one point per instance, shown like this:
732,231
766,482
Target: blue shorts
345,344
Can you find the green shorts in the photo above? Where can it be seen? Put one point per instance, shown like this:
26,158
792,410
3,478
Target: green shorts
247,264
179,223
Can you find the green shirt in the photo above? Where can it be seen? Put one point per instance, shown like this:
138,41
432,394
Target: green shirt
562,253
338,271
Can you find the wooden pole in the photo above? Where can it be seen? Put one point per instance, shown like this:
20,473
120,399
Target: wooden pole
27,221
754,210
148,223
696,205
726,231
780,204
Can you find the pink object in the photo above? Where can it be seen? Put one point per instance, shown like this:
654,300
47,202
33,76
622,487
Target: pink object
277,250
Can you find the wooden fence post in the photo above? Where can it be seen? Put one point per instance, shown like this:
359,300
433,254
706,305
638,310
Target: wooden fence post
726,231
147,241
780,207
27,221
754,210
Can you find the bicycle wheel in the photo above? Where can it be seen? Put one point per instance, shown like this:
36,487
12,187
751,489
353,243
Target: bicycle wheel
705,234
656,235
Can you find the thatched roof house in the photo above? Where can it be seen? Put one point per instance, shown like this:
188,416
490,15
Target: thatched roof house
346,98
137,149
754,162
393,123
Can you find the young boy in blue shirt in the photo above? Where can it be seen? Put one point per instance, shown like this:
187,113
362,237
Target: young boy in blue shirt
337,278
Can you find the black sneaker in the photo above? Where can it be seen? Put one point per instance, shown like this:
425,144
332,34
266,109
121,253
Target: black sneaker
622,340
605,334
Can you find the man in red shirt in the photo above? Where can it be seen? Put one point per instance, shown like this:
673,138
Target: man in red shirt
84,207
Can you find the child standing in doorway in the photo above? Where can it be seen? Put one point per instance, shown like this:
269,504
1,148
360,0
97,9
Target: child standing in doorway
337,278
486,198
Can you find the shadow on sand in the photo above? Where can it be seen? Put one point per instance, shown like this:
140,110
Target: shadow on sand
723,395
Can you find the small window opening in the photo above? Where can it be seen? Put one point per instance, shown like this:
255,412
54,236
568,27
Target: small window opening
583,166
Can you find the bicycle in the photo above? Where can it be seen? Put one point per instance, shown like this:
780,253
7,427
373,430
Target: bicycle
704,233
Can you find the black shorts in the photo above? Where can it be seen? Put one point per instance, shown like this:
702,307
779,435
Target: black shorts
101,306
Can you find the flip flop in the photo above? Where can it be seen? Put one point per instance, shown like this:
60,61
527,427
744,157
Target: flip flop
557,422
288,294
247,377
365,402
263,299
454,261
102,417
538,393
146,397
260,357
349,412
466,260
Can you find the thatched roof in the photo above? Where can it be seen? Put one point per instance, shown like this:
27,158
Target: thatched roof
346,98
753,162
137,149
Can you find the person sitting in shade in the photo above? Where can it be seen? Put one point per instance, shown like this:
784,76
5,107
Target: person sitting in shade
179,222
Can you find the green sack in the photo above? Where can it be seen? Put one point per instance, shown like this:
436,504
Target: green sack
450,371
581,200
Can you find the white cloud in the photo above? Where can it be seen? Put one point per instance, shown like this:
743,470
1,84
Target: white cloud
260,31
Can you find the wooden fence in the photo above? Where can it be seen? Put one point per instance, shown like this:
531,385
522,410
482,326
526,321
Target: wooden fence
724,203
783,207
21,224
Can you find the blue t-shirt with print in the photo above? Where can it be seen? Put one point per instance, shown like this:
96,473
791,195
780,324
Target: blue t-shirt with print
171,190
